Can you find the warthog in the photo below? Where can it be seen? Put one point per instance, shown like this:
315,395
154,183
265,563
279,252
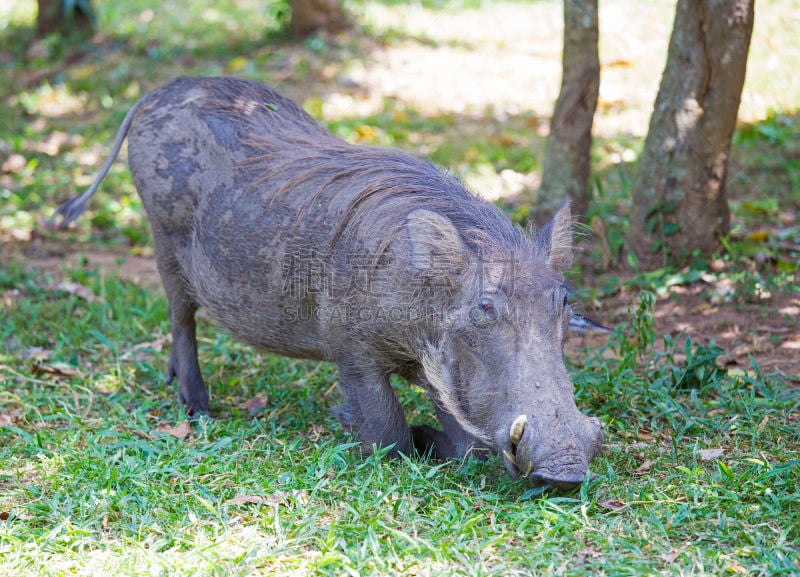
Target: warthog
303,245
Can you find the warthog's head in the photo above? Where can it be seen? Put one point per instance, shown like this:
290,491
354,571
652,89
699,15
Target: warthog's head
497,364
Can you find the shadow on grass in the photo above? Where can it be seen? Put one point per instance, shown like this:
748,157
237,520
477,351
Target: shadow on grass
74,96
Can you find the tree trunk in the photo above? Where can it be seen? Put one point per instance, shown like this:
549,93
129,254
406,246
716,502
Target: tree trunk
567,160
53,17
679,200
308,16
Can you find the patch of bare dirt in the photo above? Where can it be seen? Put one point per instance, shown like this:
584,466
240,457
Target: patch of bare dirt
52,258
506,58
766,329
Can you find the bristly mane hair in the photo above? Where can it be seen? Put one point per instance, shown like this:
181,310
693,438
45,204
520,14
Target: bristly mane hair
379,187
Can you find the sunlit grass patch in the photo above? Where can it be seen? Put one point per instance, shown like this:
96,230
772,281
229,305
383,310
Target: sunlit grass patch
101,473
100,477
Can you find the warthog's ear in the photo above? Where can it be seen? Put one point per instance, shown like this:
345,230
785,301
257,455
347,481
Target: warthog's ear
434,243
556,239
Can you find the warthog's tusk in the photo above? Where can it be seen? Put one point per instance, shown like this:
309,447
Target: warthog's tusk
517,428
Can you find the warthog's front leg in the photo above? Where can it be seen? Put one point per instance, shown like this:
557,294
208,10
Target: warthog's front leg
453,442
371,409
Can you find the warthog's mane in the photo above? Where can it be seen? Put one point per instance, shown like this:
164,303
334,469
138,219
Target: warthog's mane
378,187
365,196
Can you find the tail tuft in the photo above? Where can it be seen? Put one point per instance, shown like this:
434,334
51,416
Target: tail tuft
67,213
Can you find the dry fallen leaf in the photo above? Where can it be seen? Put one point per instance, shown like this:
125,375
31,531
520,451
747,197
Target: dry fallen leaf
238,63
613,504
37,353
56,369
710,454
257,403
316,431
180,431
79,291
759,236
137,432
503,140
6,420
14,163
672,555
644,467
278,498
53,144
144,351
603,104
244,499
589,553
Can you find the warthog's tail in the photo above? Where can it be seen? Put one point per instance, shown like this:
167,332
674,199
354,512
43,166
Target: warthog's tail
74,207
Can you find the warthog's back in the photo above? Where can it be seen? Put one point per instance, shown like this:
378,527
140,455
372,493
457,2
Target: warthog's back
215,213
188,147
241,185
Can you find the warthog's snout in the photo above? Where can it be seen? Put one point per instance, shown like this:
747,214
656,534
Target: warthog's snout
551,450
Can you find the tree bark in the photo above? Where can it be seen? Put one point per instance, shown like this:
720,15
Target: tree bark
308,16
679,200
567,161
52,17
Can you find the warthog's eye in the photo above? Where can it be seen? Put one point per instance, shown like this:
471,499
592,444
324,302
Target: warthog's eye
484,314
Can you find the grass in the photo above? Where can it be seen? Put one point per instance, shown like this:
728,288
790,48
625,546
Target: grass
99,475
95,478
